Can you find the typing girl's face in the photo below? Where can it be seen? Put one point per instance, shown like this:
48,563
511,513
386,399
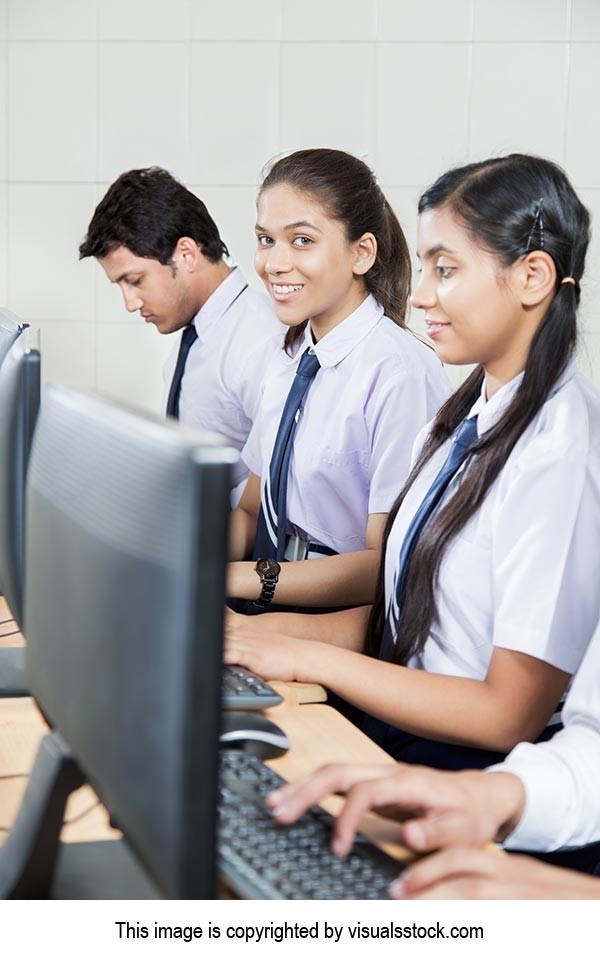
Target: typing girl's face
472,309
305,260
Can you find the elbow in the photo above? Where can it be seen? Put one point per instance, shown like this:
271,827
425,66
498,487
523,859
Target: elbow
512,733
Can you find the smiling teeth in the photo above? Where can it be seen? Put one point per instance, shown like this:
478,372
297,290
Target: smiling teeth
287,288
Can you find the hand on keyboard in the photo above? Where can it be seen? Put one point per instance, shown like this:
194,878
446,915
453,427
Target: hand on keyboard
272,656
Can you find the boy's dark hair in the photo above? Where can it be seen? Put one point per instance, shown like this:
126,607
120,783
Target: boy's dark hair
147,211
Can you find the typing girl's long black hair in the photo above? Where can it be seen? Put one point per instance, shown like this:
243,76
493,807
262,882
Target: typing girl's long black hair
510,206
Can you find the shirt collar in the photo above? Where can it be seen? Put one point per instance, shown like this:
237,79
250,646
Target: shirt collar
339,342
489,412
219,302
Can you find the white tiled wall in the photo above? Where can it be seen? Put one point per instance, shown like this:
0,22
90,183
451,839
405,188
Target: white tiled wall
89,88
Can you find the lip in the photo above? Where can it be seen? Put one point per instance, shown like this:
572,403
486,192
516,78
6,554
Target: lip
284,297
149,318
434,328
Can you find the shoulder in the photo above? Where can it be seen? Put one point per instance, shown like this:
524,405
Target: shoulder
258,314
257,332
399,349
566,429
394,360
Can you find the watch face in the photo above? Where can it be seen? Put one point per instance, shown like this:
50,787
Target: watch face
267,566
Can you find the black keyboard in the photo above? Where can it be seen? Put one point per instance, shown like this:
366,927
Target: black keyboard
243,691
260,859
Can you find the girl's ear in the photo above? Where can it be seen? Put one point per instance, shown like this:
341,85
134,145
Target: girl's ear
537,278
365,253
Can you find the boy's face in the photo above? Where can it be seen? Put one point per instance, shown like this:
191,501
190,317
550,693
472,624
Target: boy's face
160,292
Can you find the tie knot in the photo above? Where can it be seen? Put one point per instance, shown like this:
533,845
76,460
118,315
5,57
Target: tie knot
309,364
189,335
466,432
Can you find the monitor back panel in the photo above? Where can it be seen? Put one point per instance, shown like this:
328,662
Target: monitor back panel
19,405
126,546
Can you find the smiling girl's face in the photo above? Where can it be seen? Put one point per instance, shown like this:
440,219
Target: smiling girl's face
306,262
473,308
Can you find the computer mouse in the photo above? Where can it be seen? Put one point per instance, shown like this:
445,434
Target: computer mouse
252,733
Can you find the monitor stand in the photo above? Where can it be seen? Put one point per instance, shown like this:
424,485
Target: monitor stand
28,857
12,672
33,863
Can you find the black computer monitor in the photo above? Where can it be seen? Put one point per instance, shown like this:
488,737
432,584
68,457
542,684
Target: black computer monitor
124,599
19,405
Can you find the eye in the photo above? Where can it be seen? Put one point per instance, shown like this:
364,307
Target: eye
444,271
302,241
136,283
264,240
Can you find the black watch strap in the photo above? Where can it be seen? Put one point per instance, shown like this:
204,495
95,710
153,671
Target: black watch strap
268,572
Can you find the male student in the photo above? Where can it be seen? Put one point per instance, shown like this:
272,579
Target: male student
541,798
157,241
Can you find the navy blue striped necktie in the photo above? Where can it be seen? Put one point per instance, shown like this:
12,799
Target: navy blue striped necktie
270,528
462,443
187,339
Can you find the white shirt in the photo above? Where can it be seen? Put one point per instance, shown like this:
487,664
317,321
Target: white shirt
523,572
220,389
376,387
562,776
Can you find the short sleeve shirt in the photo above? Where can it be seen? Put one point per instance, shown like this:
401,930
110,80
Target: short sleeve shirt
522,573
376,387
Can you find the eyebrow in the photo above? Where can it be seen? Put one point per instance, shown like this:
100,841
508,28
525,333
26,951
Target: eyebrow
294,226
122,276
436,249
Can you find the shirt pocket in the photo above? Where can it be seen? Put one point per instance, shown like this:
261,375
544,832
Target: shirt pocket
340,495
353,462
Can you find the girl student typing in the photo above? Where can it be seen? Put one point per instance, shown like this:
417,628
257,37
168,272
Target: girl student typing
345,397
488,590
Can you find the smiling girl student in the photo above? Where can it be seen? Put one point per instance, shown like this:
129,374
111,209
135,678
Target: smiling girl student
488,592
343,400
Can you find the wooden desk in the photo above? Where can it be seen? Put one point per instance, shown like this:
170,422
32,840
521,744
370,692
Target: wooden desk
6,631
318,733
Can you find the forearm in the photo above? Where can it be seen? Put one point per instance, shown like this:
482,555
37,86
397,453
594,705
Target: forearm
340,581
345,628
242,532
445,708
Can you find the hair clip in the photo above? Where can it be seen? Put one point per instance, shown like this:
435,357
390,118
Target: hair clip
538,221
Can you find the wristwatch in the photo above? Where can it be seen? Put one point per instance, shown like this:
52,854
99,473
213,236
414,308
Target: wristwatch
267,570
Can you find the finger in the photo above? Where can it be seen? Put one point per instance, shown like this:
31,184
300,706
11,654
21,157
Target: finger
454,889
291,801
378,794
448,864
233,655
441,830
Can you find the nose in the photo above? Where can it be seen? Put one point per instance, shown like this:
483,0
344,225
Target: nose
278,260
423,296
133,301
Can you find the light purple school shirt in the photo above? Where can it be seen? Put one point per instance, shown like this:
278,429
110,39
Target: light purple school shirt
220,391
376,388
522,574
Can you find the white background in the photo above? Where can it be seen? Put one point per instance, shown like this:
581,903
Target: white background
512,930
213,88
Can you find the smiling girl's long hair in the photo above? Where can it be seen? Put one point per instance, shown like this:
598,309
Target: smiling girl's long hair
510,206
348,191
